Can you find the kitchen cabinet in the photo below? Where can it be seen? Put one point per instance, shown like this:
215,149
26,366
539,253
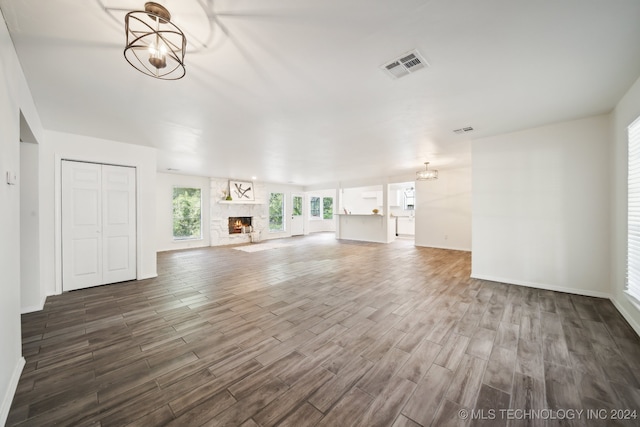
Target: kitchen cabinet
406,226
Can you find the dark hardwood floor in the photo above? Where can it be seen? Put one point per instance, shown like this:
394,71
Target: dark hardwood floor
327,333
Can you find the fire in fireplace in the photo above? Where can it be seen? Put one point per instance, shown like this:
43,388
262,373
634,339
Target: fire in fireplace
239,224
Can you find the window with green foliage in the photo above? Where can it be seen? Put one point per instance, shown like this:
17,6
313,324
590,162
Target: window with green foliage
276,212
187,213
297,205
315,206
327,208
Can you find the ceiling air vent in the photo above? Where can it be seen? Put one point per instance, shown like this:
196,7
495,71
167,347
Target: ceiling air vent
408,63
463,130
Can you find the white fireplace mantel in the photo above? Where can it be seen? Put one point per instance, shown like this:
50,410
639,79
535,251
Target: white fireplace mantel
221,209
240,202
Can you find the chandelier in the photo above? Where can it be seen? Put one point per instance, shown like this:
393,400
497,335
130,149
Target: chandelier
155,46
426,174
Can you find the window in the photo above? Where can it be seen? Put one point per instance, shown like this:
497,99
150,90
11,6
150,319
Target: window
633,215
409,199
327,208
276,212
315,206
187,213
297,205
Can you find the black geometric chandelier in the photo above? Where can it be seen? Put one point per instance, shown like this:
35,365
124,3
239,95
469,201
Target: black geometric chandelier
155,46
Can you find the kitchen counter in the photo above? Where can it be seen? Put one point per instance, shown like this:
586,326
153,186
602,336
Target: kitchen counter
362,227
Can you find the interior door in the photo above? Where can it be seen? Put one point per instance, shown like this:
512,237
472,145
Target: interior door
81,225
98,224
297,221
118,224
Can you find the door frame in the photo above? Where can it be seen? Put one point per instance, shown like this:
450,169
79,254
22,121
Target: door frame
58,213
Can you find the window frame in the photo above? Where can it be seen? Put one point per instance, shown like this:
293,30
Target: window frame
406,198
315,212
632,277
295,209
173,214
324,207
283,227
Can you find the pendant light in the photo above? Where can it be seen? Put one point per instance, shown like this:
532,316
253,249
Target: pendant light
426,174
155,46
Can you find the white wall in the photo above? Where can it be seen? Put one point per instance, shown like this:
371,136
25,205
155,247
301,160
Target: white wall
59,146
14,98
627,110
165,182
443,210
541,207
316,224
31,294
355,203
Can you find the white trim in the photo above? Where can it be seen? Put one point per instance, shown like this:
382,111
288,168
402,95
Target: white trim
634,324
57,189
34,308
632,283
243,202
188,239
58,214
11,391
447,248
543,286
632,299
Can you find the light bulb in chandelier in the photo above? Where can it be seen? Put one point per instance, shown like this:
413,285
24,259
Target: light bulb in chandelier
158,56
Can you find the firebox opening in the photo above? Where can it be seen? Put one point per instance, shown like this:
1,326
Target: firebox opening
240,224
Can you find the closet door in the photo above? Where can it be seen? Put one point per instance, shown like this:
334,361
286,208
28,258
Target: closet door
98,224
118,223
81,225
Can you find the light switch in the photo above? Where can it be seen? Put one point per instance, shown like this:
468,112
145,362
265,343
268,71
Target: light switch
12,178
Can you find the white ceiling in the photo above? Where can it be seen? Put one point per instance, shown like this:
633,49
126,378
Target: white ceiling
292,90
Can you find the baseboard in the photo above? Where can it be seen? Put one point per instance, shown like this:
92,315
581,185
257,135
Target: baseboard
635,325
543,286
32,309
11,391
445,248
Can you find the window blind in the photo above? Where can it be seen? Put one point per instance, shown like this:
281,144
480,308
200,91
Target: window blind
633,215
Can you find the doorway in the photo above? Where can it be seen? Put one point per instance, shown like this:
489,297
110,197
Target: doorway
98,224
297,220
402,202
31,293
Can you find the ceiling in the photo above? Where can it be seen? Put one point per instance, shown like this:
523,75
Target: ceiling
292,91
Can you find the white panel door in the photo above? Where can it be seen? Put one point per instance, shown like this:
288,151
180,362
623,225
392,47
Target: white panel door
297,221
81,225
98,224
118,224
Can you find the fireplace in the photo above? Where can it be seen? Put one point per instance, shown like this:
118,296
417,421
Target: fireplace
240,224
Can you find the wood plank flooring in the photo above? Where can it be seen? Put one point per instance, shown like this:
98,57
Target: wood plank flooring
323,333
